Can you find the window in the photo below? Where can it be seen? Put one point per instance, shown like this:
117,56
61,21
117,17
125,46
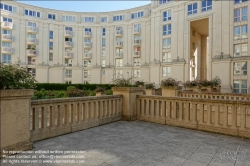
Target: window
68,39
31,36
103,62
118,62
166,71
167,15
137,73
31,13
104,19
206,5
166,57
87,63
87,73
239,1
136,61
118,73
8,7
87,40
192,8
5,44
240,32
50,45
5,19
50,56
240,68
50,34
236,15
68,73
164,1
67,82
137,15
68,29
31,24
240,50
166,43
6,32
103,31
103,51
52,16
167,29
118,18
103,73
6,58
89,19
240,86
69,18
244,14
103,42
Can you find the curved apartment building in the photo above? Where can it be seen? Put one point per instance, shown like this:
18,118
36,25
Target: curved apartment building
185,40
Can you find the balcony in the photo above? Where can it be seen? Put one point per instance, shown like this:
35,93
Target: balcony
32,29
137,54
166,48
87,45
118,33
119,44
118,65
137,30
7,25
7,38
68,44
68,65
68,55
119,55
31,41
68,33
87,56
31,63
32,53
87,34
7,50
137,42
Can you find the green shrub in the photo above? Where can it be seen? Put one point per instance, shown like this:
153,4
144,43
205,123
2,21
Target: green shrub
60,94
15,77
74,92
109,92
89,92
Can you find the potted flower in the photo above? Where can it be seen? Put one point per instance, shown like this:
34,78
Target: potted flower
192,85
150,89
100,91
139,83
170,87
206,85
216,83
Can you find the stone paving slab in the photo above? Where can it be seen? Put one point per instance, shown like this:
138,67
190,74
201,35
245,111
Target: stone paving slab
141,143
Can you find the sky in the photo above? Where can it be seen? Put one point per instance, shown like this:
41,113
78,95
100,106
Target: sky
88,6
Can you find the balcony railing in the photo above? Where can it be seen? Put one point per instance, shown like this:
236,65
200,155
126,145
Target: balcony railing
32,29
118,32
166,60
31,63
68,44
137,53
31,41
68,33
119,44
166,48
118,65
87,34
87,55
87,45
137,42
68,55
7,37
68,65
137,30
32,53
7,50
119,55
7,25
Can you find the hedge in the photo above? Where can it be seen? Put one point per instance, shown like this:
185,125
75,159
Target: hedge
59,86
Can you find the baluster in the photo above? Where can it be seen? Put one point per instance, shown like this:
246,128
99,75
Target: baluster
216,115
242,117
36,118
202,113
234,116
209,114
180,110
225,115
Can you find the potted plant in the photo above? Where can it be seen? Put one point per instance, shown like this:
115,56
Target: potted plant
139,83
100,91
150,89
216,83
192,85
170,87
206,85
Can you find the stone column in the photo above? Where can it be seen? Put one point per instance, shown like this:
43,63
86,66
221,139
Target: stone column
15,120
128,101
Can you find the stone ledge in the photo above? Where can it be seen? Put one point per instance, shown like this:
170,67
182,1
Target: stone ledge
10,93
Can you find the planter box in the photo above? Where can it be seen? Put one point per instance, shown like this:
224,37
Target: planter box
100,93
128,101
193,88
216,89
207,88
150,91
15,120
171,91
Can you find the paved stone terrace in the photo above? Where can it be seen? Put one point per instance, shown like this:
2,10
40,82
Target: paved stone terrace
141,143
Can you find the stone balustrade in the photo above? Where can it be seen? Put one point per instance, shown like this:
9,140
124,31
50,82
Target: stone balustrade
215,95
229,117
54,117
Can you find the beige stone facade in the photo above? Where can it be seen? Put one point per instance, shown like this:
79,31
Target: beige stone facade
181,39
